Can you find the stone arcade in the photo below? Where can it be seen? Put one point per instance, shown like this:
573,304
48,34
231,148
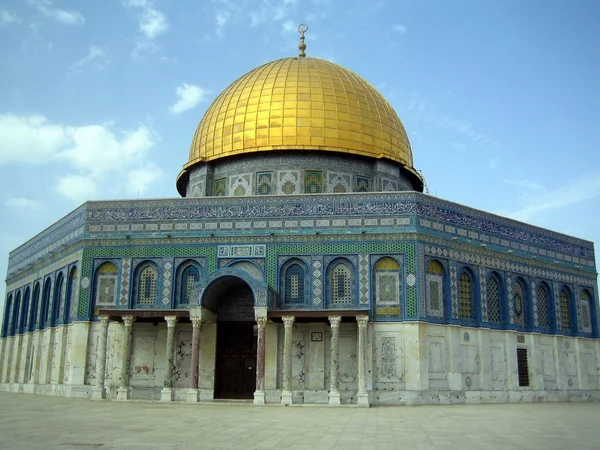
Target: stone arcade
303,264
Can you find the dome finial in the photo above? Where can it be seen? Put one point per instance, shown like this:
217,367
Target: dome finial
302,28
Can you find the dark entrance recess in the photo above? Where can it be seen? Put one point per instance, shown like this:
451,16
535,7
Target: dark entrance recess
235,365
522,367
235,375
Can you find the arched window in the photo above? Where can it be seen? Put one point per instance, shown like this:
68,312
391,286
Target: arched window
388,287
494,300
435,286
45,315
340,280
147,285
25,310
188,275
294,285
565,310
14,329
466,291
7,310
543,301
70,301
585,303
33,317
520,303
57,298
106,284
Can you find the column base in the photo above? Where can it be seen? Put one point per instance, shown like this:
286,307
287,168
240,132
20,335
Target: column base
124,393
98,393
191,395
259,397
334,398
166,395
363,399
286,397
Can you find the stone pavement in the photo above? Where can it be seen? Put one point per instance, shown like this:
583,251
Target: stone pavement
38,422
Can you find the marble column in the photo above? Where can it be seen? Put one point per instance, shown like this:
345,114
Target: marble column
286,393
124,391
166,394
98,390
334,362
259,394
363,395
192,394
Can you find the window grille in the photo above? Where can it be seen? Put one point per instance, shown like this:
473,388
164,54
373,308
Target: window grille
543,309
340,284
493,300
466,296
522,367
565,313
147,286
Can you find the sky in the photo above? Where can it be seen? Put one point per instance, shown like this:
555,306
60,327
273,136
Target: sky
500,98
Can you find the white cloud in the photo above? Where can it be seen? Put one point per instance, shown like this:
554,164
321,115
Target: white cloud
64,16
7,17
152,24
97,158
95,56
399,28
22,203
188,96
221,19
78,188
30,139
544,201
528,184
140,179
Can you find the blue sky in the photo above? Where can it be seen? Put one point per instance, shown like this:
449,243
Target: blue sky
500,99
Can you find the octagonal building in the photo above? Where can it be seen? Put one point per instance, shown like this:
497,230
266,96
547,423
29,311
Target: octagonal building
303,264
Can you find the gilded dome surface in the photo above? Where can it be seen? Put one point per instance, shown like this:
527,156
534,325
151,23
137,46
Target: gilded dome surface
300,104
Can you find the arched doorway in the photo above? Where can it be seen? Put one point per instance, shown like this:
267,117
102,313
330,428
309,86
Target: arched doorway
235,364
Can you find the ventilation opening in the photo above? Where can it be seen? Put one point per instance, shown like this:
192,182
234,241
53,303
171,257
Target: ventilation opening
522,367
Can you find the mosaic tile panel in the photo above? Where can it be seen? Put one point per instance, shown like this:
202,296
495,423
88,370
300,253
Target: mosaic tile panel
125,275
454,291
167,283
288,182
362,184
249,268
363,279
534,301
317,276
483,294
241,185
141,251
557,310
338,182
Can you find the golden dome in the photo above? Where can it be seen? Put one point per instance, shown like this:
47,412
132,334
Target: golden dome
300,104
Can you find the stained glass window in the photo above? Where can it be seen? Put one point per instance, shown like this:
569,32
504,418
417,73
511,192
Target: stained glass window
45,316
434,279
34,307
494,305
565,313
543,306
189,276
106,284
24,311
57,298
340,284
294,284
585,303
147,286
465,285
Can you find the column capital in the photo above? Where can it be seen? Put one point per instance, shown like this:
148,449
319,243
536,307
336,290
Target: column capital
261,322
288,320
104,320
128,320
196,321
362,321
334,321
171,321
